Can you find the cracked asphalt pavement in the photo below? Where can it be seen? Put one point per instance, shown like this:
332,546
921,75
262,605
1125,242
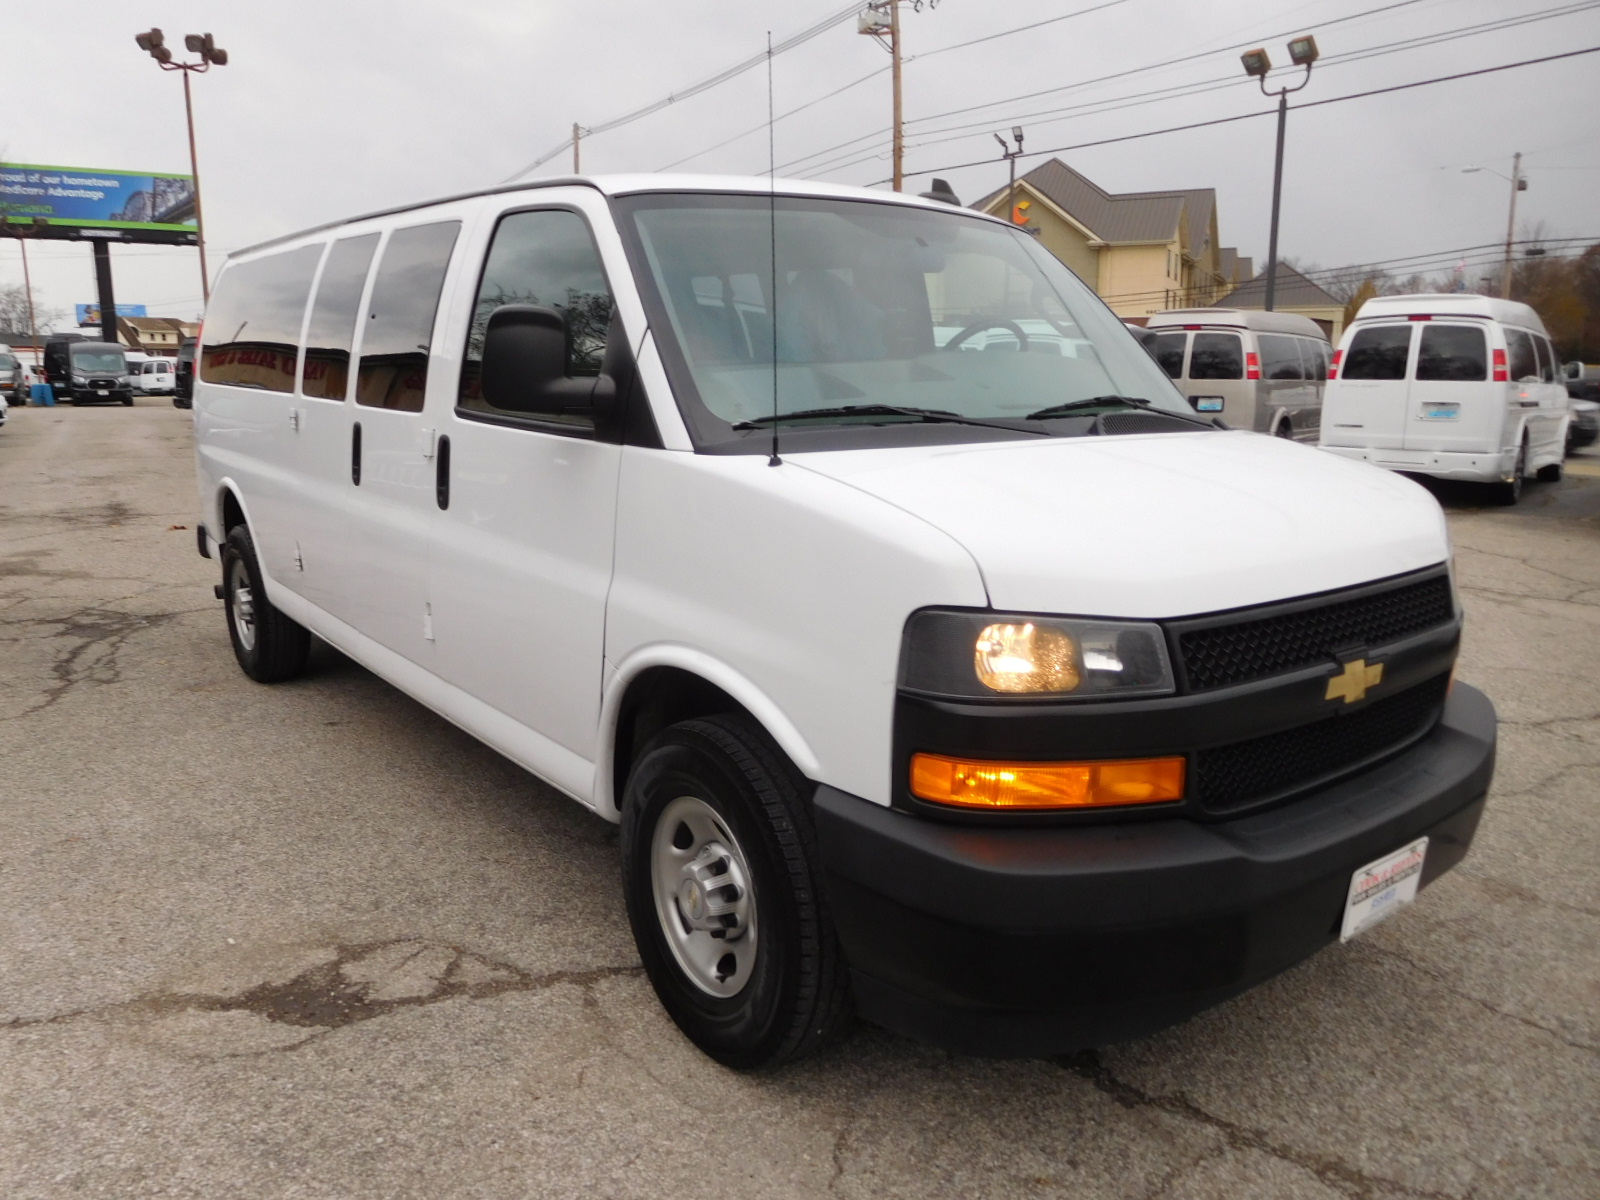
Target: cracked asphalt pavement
313,941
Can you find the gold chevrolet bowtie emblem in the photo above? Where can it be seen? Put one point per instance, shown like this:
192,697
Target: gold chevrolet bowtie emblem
1352,683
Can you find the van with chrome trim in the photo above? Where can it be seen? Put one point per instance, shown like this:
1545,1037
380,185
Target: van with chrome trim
1455,385
937,659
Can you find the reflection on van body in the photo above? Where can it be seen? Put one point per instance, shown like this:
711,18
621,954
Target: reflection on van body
1256,370
844,548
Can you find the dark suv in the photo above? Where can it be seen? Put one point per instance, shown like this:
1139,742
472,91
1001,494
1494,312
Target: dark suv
183,385
88,372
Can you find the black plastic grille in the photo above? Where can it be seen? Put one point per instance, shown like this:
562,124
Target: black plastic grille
1231,777
1145,422
1254,649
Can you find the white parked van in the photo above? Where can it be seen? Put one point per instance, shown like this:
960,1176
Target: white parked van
155,377
1456,386
1000,695
1256,370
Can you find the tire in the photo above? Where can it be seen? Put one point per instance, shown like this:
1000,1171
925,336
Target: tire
716,836
269,646
1507,494
1549,473
1284,430
128,401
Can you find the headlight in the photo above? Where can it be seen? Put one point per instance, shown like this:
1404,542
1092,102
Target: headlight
79,379
982,655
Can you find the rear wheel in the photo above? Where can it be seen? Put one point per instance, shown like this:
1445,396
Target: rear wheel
1510,492
1284,430
269,646
1549,473
722,882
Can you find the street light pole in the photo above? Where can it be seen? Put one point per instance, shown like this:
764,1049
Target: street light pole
1303,52
203,44
1011,156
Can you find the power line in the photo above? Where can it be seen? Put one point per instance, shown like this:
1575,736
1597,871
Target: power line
1400,87
721,77
1180,91
1082,12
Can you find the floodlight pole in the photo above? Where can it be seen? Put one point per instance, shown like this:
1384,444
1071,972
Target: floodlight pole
1277,184
194,169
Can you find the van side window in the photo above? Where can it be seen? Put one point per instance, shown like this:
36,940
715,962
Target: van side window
1524,359
1216,356
253,322
1452,352
546,257
405,297
1167,349
1313,358
1280,357
333,317
1547,359
1378,353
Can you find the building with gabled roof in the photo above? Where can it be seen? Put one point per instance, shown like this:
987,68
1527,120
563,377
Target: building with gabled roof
1294,293
1140,251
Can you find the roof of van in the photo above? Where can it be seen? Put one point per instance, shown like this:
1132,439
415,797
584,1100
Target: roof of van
628,185
1237,318
1452,304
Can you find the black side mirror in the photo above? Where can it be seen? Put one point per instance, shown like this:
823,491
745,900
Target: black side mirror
527,360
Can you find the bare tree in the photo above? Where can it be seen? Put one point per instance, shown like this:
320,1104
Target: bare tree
14,311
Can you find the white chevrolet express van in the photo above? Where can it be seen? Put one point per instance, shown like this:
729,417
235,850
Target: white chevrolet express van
1456,386
995,693
1256,370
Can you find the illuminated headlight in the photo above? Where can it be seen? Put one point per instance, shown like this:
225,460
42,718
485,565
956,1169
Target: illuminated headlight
979,655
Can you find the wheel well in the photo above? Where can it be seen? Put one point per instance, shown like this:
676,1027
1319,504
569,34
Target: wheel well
232,514
659,697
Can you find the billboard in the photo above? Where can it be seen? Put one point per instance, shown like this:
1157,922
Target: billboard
84,198
89,314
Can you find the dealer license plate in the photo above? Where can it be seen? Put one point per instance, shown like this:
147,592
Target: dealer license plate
1441,412
102,392
1382,888
1206,403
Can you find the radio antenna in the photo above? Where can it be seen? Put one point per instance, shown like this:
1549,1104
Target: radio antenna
772,235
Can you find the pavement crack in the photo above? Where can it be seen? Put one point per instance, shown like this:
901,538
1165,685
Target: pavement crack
1333,1172
362,981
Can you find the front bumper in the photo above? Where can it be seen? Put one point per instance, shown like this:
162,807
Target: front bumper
1034,941
1493,466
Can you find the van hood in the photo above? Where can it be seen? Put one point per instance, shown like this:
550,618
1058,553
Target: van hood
1159,525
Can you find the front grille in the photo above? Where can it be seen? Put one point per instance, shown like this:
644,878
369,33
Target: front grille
1254,649
1231,777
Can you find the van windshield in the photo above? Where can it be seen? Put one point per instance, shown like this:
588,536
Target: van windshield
877,306
98,360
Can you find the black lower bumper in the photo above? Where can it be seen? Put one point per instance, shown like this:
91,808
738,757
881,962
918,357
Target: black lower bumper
1032,941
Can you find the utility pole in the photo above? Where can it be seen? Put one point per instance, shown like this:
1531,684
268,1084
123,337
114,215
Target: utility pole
1518,183
27,286
882,20
577,136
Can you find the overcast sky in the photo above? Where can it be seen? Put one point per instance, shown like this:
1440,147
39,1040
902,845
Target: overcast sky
337,107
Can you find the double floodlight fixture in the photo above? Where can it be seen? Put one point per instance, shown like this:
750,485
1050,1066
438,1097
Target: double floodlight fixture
1302,52
154,43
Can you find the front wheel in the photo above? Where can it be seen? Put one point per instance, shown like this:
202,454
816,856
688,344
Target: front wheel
722,882
269,646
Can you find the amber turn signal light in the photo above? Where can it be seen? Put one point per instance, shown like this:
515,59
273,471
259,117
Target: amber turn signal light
1033,785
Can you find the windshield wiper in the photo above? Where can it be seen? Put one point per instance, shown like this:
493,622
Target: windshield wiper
1139,402
888,410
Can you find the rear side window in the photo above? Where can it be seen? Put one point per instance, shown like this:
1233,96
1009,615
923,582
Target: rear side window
1216,356
405,298
1453,352
1280,357
1167,350
1313,358
1378,353
253,322
1524,360
546,257
1547,359
333,317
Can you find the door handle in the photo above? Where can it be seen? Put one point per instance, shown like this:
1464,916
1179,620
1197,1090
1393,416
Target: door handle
441,473
355,454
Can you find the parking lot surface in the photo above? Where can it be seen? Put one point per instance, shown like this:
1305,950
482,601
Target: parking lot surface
312,941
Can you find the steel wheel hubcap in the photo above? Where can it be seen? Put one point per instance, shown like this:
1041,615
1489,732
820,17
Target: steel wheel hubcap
244,605
704,901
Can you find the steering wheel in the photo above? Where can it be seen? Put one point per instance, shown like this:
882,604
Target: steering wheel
979,326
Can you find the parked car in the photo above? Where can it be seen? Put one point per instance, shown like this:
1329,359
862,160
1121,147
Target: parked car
11,378
1002,695
1456,386
1584,426
183,375
1582,380
87,372
155,377
5,408
1255,370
